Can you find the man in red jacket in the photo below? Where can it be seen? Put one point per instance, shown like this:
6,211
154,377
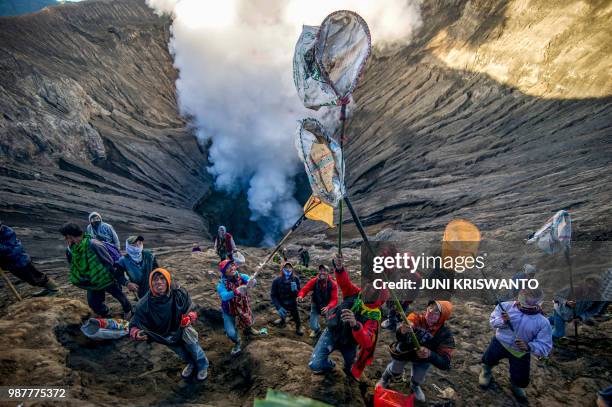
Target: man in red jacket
351,327
324,297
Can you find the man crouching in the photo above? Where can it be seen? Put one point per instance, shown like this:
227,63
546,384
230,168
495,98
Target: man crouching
436,346
165,315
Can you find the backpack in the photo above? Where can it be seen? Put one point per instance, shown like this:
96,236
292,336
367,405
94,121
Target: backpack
113,251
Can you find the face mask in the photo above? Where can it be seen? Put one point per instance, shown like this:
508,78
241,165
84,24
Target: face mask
287,273
135,252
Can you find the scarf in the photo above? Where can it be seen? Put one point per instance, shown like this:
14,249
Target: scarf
240,305
134,252
360,308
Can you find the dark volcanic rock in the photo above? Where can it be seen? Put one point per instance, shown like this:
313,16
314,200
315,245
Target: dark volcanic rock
90,122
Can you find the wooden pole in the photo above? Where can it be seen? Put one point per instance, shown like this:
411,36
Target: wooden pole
10,285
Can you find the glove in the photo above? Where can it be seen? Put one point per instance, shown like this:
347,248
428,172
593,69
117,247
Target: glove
185,321
293,286
282,312
252,282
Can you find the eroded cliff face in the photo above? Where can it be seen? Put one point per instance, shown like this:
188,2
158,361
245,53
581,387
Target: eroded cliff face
90,122
500,112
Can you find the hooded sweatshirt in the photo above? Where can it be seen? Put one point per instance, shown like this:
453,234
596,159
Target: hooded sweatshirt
12,254
437,338
535,330
159,315
104,232
365,332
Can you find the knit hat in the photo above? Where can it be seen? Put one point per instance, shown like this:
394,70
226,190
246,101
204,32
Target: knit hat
134,239
531,298
225,265
529,269
91,215
163,272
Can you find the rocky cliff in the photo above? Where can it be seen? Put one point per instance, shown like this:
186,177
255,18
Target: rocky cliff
499,112
90,122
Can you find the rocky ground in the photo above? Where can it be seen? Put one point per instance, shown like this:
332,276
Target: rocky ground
41,344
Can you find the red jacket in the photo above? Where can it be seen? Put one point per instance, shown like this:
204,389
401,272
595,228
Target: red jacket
310,286
364,334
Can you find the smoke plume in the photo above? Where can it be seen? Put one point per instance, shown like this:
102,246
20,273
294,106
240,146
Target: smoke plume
235,79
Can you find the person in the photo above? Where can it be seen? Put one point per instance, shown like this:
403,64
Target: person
436,346
604,397
324,297
394,317
137,263
304,257
15,260
165,315
224,244
352,327
580,310
235,302
196,248
102,231
520,330
285,289
92,269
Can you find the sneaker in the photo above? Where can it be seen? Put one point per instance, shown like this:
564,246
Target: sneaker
202,375
519,393
187,371
387,324
50,289
299,331
279,322
236,349
418,392
250,331
486,374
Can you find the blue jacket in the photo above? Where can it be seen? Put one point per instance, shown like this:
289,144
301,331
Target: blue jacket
138,273
225,294
535,330
11,250
104,233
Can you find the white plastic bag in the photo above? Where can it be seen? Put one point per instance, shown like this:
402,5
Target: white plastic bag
555,235
322,158
329,60
105,328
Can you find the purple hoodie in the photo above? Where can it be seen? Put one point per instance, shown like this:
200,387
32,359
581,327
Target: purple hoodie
535,330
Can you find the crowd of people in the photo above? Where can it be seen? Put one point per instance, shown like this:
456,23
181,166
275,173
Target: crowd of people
165,312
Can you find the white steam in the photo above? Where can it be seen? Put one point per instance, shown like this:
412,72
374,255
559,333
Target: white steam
235,79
